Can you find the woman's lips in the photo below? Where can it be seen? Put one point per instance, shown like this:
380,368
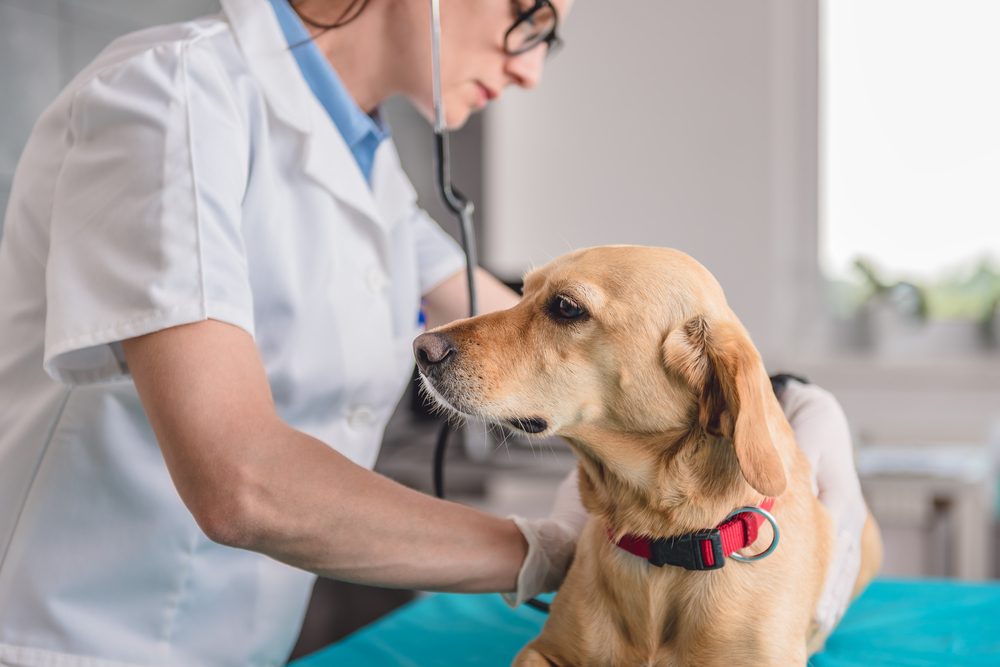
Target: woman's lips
485,94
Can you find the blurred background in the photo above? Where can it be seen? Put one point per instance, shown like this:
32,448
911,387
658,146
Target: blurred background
833,162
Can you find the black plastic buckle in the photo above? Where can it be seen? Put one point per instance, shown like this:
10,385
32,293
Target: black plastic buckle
685,551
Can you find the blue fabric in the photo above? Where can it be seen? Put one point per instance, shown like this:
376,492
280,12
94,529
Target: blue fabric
362,133
917,623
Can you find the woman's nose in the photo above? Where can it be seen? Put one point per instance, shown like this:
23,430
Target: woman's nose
526,68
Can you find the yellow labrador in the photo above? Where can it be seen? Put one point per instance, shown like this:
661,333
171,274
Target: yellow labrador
633,356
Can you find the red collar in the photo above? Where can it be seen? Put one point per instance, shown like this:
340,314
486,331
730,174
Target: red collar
704,550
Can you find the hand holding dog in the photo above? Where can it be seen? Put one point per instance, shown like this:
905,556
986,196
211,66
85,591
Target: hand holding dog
822,433
551,543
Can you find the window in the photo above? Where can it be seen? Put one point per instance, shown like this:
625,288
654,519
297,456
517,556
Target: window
910,166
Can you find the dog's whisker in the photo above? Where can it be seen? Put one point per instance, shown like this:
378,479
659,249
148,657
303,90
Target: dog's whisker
492,429
506,434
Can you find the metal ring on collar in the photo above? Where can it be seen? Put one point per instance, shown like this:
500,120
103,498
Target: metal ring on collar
774,541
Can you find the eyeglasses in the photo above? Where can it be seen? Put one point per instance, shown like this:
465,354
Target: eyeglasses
533,26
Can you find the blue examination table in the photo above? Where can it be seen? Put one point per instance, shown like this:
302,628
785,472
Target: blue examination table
917,623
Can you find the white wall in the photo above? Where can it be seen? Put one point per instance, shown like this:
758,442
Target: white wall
693,124
665,122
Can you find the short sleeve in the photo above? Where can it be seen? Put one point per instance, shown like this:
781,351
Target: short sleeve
146,217
438,255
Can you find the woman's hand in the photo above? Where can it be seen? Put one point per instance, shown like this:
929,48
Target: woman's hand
551,543
823,435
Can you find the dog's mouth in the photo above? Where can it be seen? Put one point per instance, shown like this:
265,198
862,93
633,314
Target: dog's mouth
532,425
441,397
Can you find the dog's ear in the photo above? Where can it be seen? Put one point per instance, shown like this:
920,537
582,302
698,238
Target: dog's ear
725,371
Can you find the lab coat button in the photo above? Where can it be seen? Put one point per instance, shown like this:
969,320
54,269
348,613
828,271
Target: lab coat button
360,417
375,280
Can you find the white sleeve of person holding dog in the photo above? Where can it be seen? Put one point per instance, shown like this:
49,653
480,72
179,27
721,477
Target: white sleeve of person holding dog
210,278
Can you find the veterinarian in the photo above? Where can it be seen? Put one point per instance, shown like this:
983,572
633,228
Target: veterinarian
210,279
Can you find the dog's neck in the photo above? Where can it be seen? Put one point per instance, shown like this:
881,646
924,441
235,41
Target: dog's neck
691,482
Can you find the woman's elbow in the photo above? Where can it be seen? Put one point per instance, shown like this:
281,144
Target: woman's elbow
229,513
227,525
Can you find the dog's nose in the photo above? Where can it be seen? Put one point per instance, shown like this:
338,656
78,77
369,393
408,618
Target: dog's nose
433,350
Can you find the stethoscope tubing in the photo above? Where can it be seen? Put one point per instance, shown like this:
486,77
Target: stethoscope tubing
463,209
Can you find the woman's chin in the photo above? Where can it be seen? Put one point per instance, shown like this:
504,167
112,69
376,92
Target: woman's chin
455,119
456,112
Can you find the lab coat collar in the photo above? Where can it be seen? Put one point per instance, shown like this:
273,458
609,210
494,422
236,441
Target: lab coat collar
328,159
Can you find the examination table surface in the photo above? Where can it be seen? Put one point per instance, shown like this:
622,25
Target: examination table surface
909,623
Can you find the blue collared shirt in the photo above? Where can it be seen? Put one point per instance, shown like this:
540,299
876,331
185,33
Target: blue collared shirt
362,133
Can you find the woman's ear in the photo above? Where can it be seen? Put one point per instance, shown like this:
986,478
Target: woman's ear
723,368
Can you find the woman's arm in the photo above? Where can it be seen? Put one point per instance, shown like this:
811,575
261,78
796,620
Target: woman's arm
253,482
449,301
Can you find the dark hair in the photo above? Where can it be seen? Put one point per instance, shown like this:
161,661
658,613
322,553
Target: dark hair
351,12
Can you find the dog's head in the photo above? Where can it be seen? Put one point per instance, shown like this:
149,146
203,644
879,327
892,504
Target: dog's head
631,354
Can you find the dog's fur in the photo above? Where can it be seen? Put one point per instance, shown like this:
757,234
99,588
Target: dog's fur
665,401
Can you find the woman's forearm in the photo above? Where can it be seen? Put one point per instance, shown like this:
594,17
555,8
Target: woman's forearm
449,301
309,506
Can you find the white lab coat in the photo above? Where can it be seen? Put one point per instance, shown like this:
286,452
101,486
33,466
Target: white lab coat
188,173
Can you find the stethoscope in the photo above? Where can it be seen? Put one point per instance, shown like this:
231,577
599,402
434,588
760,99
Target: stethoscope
456,203
463,209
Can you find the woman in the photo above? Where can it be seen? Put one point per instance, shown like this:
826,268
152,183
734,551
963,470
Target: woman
209,284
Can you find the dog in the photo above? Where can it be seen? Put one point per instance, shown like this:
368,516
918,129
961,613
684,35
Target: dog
632,355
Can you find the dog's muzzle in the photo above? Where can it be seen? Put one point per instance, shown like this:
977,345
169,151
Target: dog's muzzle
437,356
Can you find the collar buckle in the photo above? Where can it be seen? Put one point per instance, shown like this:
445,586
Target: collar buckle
693,551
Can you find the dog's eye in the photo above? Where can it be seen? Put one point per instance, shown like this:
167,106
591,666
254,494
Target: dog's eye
565,309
